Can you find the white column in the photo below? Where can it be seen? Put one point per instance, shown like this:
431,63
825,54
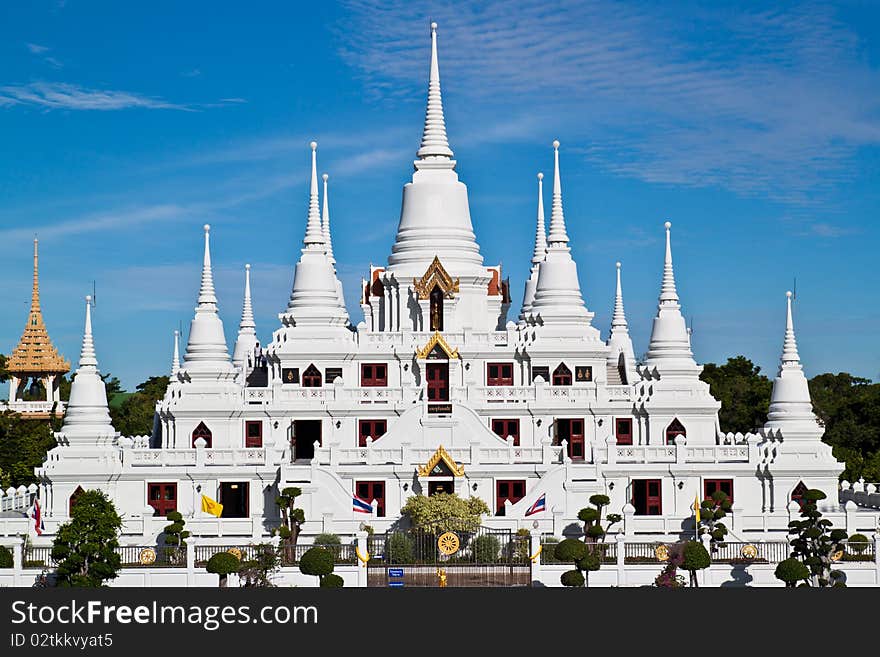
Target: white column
386,291
620,539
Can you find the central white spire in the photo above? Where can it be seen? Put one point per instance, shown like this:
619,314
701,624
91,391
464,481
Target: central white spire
207,356
558,237
435,218
246,341
87,418
434,141
619,341
538,255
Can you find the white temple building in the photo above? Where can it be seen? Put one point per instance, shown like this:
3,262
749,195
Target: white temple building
438,389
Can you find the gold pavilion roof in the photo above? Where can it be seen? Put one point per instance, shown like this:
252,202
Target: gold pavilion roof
35,353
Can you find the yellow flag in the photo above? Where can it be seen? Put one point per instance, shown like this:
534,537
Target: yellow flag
697,508
211,506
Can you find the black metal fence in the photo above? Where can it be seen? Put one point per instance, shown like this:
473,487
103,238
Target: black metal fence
469,546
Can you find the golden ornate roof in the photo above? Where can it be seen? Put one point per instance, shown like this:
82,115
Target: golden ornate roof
435,341
441,455
35,353
437,275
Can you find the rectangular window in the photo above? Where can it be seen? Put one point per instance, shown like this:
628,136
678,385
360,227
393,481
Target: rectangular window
499,374
541,370
711,485
572,431
505,428
374,429
372,490
513,490
623,430
646,497
234,498
331,374
374,374
253,433
162,497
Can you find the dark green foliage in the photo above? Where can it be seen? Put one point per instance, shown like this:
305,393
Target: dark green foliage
23,447
791,571
292,520
669,578
590,561
399,549
134,416
712,510
327,539
223,564
858,543
175,534
850,408
486,548
6,560
572,578
257,572
594,532
332,581
570,549
316,561
743,391
85,547
815,542
694,558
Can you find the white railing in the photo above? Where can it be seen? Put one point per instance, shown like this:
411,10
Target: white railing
645,453
190,457
619,392
159,457
374,454
255,395
372,395
34,406
17,499
241,456
717,453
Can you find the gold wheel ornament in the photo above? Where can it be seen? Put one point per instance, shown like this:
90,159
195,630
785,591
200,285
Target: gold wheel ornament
235,552
837,556
749,552
147,556
662,553
448,543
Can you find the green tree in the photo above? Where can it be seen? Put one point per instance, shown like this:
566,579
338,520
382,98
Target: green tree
133,416
743,391
4,373
815,542
257,572
591,516
582,556
316,561
85,547
712,510
445,512
175,537
694,557
23,447
223,564
791,571
292,520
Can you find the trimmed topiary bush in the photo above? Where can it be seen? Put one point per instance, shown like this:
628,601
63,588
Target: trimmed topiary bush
332,581
5,557
223,564
486,548
570,549
791,571
317,561
694,557
858,543
572,578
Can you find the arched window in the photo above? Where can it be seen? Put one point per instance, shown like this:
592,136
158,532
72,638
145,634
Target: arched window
311,378
73,499
562,376
797,495
436,298
201,431
674,429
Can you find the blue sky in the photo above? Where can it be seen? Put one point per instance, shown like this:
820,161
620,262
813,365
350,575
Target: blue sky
755,129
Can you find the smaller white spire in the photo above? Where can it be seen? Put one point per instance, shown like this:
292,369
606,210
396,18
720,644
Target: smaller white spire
247,333
619,340
668,293
790,354
87,357
314,232
618,318
434,141
175,360
558,237
540,230
206,290
325,222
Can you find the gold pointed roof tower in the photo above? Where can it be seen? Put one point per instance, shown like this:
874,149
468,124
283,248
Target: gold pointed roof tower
35,353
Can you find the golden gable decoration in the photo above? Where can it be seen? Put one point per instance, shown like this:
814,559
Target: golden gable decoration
441,455
437,341
436,275
35,353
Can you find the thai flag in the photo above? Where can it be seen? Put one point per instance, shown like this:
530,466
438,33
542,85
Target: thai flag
360,506
539,505
37,516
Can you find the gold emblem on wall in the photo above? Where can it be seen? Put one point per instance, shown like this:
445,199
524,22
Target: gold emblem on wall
448,543
235,552
837,556
435,275
662,553
147,556
749,551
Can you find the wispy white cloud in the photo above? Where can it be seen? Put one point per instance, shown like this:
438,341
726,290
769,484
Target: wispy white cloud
770,102
36,48
59,95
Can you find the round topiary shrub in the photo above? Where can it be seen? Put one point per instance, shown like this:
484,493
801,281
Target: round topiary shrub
791,571
316,561
572,578
485,548
223,564
5,557
695,556
332,581
570,550
859,543
399,549
590,561
588,515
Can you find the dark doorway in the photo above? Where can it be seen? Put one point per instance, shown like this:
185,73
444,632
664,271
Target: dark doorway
646,497
234,498
572,430
438,382
305,433
436,300
436,487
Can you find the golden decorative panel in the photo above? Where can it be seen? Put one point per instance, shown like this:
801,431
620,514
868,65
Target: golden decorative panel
435,341
441,455
436,275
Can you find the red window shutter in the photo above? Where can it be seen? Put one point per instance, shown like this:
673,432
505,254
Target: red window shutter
253,433
623,430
